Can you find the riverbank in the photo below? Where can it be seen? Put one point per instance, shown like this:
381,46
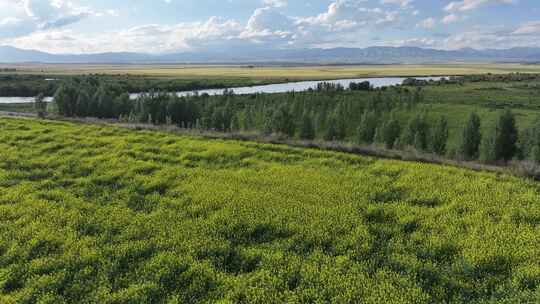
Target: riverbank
300,86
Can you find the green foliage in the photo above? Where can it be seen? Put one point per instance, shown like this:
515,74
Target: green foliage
417,133
97,214
40,105
335,129
367,128
488,148
27,85
440,136
235,123
389,133
506,136
472,138
283,121
307,130
337,113
529,142
331,130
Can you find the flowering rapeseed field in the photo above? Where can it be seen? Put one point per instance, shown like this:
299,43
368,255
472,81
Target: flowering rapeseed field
97,214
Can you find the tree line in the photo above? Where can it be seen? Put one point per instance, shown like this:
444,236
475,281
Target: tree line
360,113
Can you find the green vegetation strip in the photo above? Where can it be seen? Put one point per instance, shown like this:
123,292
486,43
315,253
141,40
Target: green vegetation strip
95,214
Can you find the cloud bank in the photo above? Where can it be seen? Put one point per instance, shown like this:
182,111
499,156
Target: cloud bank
47,25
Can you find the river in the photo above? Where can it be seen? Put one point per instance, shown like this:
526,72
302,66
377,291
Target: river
271,88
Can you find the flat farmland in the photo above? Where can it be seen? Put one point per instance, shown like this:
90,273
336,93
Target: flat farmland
276,73
100,214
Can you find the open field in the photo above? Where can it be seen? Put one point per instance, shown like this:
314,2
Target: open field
275,73
107,215
17,107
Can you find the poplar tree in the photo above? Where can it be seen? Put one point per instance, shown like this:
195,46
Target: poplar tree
367,127
471,138
307,131
440,136
506,136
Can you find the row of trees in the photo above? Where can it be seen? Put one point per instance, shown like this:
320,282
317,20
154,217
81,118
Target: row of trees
25,85
502,143
379,117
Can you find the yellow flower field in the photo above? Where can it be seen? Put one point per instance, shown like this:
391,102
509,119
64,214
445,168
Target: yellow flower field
98,214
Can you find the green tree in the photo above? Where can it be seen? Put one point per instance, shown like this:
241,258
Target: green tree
440,136
267,123
84,104
471,138
534,155
307,131
247,122
389,132
283,121
367,127
335,129
340,121
488,148
40,105
105,103
235,123
219,121
331,130
506,136
417,133
65,99
529,142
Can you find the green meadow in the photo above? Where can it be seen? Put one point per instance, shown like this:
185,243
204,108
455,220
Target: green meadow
101,214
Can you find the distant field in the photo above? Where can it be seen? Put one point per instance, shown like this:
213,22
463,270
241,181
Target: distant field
276,72
95,214
17,107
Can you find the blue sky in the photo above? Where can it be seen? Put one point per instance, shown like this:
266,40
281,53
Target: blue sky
164,26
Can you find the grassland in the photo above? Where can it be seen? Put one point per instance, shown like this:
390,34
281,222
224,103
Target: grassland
17,107
275,73
31,79
99,214
487,99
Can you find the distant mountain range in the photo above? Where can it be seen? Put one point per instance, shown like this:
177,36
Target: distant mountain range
370,55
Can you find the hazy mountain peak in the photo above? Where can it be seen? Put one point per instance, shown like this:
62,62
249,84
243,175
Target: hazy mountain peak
375,54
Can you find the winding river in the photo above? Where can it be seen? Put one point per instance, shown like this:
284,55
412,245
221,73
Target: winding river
271,88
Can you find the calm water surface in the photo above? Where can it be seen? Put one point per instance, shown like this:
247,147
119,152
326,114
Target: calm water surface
271,88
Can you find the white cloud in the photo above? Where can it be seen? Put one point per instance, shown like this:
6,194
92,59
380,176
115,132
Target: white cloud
14,26
10,21
275,3
451,18
428,23
38,24
529,28
54,13
349,14
36,15
523,36
415,42
467,5
345,20
112,12
402,3
268,18
152,38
